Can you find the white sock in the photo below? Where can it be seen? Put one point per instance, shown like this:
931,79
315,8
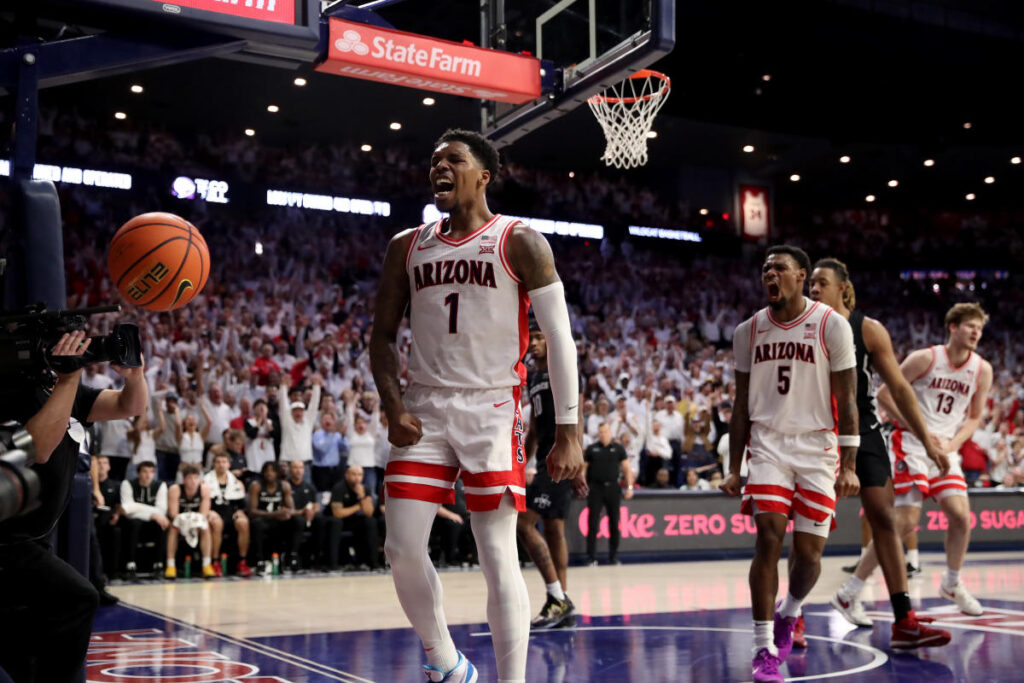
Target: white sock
951,579
416,581
130,566
170,563
508,601
863,552
852,587
206,561
764,637
913,557
555,590
790,606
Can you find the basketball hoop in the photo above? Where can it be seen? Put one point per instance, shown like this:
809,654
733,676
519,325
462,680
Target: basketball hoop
626,112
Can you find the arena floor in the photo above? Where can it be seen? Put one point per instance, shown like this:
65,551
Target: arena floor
639,622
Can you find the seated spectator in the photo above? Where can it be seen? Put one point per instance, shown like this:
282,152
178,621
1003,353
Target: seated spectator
694,482
698,446
144,502
659,453
306,515
227,510
352,510
661,480
188,506
715,482
330,453
270,509
233,446
107,514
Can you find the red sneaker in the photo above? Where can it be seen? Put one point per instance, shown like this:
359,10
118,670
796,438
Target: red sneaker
799,642
243,569
911,632
217,571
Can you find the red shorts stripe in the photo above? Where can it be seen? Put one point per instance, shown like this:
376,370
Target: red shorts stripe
748,504
809,512
816,497
768,490
515,477
422,469
486,503
428,494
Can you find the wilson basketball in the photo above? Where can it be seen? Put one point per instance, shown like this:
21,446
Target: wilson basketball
158,261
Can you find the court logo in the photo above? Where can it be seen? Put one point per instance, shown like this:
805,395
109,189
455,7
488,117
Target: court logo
351,41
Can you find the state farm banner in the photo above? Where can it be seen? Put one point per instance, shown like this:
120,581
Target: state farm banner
676,522
416,61
755,214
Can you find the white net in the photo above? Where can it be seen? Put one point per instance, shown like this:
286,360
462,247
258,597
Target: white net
626,111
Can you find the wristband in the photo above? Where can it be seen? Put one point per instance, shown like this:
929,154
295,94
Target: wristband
849,440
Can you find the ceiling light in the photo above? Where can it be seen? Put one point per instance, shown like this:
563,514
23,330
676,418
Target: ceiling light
844,159
703,212
929,162
395,125
652,134
795,177
137,88
300,81
366,148
250,132
989,180
969,196
1015,160
893,183
429,101
572,174
120,115
967,125
748,148
766,78
273,108
870,198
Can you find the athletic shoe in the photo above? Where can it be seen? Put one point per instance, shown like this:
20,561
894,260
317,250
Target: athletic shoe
242,569
554,613
913,570
766,667
851,609
209,572
171,573
964,600
217,571
799,641
851,568
130,572
783,633
463,672
911,632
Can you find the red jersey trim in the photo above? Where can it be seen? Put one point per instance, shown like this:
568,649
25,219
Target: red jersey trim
412,243
821,334
792,323
952,367
464,240
929,368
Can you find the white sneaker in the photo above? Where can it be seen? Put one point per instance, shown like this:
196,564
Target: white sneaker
851,609
463,672
964,600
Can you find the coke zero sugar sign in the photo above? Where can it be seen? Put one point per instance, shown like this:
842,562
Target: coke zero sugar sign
415,61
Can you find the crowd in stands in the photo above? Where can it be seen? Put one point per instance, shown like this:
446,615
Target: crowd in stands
264,420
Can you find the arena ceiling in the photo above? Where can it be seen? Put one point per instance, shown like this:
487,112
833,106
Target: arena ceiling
888,84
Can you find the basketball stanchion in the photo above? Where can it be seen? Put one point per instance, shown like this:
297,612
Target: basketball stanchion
626,112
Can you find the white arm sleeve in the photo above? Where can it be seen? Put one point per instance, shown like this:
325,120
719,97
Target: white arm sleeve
842,355
741,345
553,317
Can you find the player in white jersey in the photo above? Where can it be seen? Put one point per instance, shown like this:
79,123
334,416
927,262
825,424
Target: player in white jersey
794,366
951,383
468,282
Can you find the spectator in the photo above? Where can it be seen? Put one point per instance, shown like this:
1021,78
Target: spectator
95,376
143,440
659,454
227,510
698,447
270,508
672,423
188,506
144,502
115,446
216,414
694,482
260,430
107,514
297,427
661,479
352,509
165,406
362,445
233,446
305,517
330,453
190,437
604,459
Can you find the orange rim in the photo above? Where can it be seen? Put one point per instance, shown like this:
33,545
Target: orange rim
666,83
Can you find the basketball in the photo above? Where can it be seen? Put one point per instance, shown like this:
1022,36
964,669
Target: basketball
158,261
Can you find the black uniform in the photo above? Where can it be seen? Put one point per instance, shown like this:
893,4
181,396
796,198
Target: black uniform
109,535
302,495
873,467
603,479
189,503
546,497
269,534
365,535
47,606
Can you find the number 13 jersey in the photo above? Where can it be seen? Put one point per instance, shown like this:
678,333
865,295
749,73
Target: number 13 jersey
790,366
944,393
468,310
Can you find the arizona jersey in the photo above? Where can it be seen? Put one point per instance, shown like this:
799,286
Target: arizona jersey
467,311
944,393
790,366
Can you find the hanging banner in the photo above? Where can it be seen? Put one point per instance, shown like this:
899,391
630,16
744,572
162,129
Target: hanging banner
755,212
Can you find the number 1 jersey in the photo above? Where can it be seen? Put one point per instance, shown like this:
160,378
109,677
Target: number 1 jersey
468,310
790,366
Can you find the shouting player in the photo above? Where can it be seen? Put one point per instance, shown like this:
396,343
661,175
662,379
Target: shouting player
468,281
830,284
792,358
951,383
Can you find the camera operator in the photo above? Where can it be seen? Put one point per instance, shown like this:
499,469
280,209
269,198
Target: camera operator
47,609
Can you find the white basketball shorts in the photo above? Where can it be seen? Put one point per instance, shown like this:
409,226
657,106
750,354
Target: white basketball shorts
914,471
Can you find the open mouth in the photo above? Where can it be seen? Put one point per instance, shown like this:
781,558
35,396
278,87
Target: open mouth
774,291
443,188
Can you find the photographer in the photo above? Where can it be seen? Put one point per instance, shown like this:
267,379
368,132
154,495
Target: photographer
47,610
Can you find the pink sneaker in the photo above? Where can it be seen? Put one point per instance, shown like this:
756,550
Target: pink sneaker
784,634
766,667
